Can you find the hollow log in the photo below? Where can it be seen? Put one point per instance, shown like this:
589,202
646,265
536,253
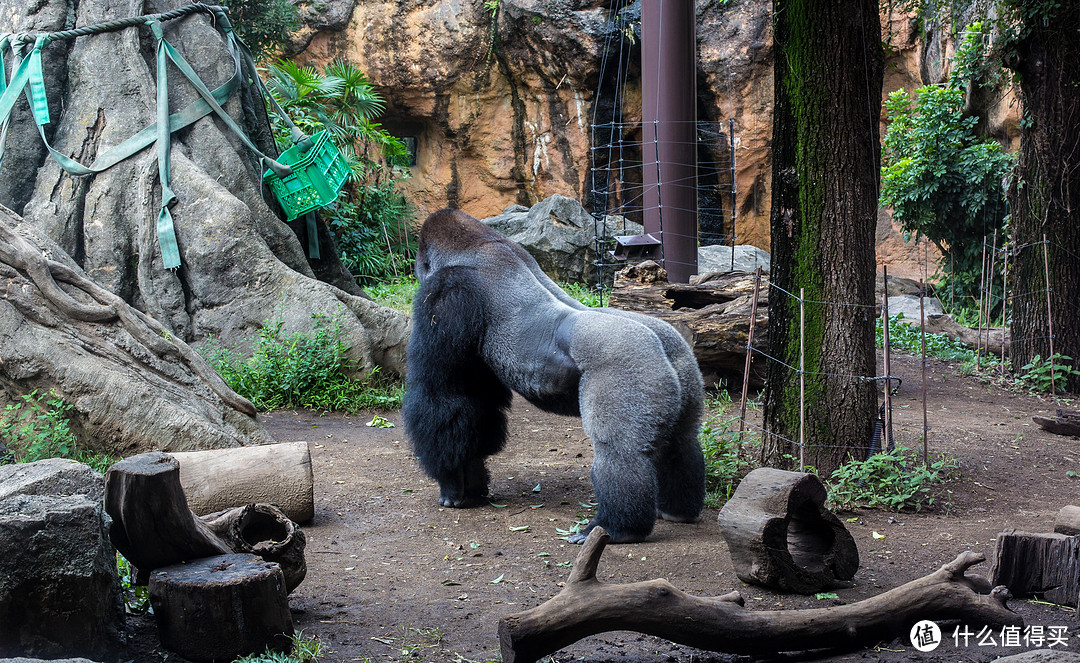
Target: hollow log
585,607
153,527
1068,521
780,535
1042,565
218,608
713,315
278,474
1067,422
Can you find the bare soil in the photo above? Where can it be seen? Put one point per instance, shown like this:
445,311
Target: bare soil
387,565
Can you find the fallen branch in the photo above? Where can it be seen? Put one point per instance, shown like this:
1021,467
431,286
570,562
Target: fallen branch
586,607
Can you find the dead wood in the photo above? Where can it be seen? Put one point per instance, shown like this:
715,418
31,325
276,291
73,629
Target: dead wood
153,527
586,607
712,315
222,607
1067,422
1042,565
1068,521
780,535
278,474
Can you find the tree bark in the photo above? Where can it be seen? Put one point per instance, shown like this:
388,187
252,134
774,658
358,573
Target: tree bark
1043,565
1045,192
828,73
241,265
586,607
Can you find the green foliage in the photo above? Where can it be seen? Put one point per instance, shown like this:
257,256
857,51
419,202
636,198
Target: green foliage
725,464
36,427
909,339
942,181
587,295
396,293
136,598
370,221
303,650
896,481
302,371
1038,375
264,25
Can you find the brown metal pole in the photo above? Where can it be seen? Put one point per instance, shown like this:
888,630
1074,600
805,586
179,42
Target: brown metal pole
982,289
669,122
1004,303
990,294
922,330
1049,317
749,352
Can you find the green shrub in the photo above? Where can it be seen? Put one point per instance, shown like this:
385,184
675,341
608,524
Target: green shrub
1038,376
586,294
725,463
302,371
36,427
909,339
897,480
264,25
396,293
303,650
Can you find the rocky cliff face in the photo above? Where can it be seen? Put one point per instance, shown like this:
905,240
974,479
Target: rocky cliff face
502,96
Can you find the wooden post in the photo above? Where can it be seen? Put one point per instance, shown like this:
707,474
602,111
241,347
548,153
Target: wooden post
1049,317
802,380
922,333
749,352
886,429
1004,302
990,294
982,289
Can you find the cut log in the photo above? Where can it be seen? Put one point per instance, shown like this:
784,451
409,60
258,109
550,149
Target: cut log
153,527
1068,521
1046,566
713,315
218,608
278,474
1067,422
586,607
781,536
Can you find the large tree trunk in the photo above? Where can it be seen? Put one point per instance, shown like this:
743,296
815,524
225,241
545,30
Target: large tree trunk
241,265
828,74
132,385
1045,196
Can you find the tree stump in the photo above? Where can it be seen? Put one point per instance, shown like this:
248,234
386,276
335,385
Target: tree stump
781,536
1043,565
1067,422
221,607
278,474
153,526
1068,521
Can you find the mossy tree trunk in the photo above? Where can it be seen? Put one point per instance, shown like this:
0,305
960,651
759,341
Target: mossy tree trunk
828,77
1045,196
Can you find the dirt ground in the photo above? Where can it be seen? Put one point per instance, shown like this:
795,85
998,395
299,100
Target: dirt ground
392,576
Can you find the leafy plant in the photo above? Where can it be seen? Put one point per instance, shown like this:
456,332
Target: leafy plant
136,598
310,371
726,461
909,339
897,480
942,180
396,293
587,295
303,650
264,25
36,427
1039,376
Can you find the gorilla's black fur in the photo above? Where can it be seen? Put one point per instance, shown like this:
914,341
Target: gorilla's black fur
486,321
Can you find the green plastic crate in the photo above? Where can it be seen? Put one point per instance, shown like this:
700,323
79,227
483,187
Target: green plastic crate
317,176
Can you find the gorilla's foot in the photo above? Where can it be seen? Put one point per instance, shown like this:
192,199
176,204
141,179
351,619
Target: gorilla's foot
616,535
462,501
679,518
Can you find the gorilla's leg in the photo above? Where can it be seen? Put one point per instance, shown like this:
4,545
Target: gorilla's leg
680,474
625,485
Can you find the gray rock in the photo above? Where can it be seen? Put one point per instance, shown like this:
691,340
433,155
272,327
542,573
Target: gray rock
909,306
717,258
59,594
1041,656
560,235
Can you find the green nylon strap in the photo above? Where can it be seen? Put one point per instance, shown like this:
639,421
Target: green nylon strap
312,236
170,252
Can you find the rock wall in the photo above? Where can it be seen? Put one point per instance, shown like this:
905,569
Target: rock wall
502,97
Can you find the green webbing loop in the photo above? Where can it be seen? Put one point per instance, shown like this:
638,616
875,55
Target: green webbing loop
170,252
312,236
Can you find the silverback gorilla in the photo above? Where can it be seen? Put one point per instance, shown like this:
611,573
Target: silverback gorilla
487,320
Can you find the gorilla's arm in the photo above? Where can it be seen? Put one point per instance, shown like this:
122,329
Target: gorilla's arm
454,406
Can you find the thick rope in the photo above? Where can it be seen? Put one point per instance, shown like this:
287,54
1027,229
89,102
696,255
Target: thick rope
121,23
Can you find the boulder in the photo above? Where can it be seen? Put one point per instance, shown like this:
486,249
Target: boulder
59,595
909,306
717,258
561,236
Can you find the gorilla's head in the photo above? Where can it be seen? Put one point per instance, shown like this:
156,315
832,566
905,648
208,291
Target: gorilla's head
450,237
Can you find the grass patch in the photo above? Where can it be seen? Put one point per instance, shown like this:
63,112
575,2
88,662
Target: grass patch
36,427
588,295
396,294
310,371
303,650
